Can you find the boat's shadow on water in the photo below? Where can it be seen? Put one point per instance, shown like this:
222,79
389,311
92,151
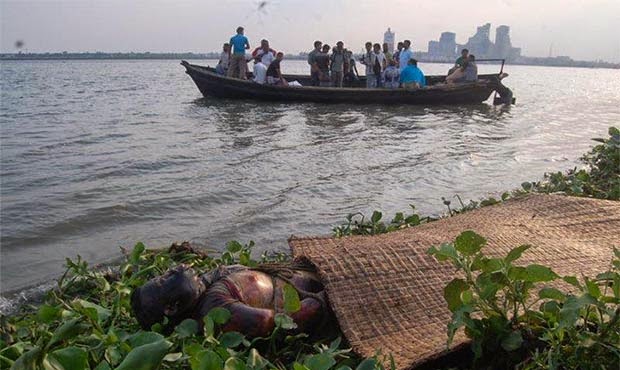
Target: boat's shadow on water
239,115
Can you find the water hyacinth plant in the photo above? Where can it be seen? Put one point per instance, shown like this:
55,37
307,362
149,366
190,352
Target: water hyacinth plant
86,323
516,321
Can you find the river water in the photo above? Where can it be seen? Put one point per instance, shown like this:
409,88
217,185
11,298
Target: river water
101,154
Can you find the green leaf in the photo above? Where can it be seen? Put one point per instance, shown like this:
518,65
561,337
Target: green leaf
367,364
67,330
173,357
376,217
551,293
570,311
490,264
413,220
284,321
513,341
146,357
234,363
47,313
469,243
29,360
538,273
452,293
231,339
134,257
219,315
187,328
103,365
292,303
143,337
445,252
321,361
572,281
209,327
206,360
298,366
516,253
593,288
70,358
233,246
255,360
102,314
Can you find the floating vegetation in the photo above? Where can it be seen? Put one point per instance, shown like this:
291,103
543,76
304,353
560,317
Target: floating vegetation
516,321
86,323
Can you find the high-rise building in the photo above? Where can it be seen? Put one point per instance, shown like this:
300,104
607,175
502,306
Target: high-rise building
445,47
480,44
503,47
388,38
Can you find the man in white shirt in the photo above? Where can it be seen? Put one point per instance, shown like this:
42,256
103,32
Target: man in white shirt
260,71
264,52
405,55
379,65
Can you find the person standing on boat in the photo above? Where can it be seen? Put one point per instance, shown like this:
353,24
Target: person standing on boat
396,55
322,61
264,52
314,68
369,59
379,64
238,63
405,55
274,73
222,64
338,63
412,77
351,75
388,55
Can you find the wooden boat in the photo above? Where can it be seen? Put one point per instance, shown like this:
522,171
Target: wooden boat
215,85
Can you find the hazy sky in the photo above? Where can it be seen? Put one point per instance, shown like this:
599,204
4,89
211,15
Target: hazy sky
582,29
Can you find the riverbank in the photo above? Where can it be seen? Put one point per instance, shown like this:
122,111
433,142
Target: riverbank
86,320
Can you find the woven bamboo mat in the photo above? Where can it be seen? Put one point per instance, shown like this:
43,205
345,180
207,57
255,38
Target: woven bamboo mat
387,293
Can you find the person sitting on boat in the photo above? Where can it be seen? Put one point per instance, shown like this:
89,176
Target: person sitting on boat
396,56
467,72
222,64
274,73
314,68
260,71
460,61
471,69
412,77
391,76
323,61
405,55
238,63
264,52
253,296
338,63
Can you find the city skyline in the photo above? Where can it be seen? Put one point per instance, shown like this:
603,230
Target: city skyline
195,26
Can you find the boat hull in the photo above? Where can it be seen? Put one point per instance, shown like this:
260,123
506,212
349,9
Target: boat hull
211,84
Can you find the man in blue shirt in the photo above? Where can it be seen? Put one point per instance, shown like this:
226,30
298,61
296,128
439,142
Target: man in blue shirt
238,64
405,55
412,77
